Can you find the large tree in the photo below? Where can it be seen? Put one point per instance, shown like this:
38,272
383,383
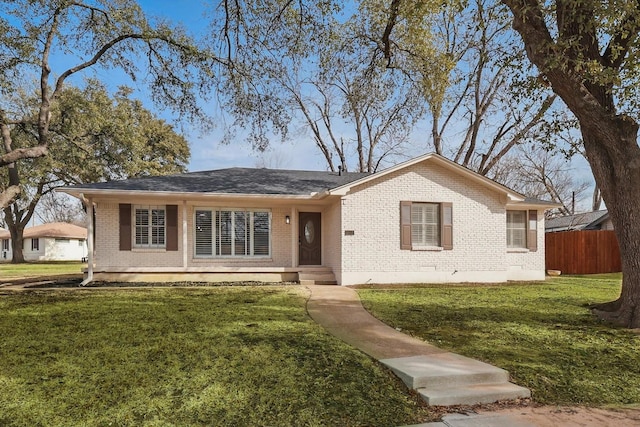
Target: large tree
93,137
588,52
85,35
481,118
532,170
318,65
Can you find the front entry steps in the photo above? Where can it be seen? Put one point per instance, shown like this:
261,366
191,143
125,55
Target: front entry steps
447,379
317,276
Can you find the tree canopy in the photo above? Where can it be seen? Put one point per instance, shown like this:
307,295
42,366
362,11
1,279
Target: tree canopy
319,64
90,34
93,137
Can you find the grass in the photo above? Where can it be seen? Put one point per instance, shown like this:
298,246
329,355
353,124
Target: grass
37,269
198,356
543,334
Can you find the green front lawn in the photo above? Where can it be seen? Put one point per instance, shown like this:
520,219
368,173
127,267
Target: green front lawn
40,269
543,334
227,356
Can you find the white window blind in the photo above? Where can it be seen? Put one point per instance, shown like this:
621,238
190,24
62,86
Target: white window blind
232,233
425,224
261,233
516,229
204,233
150,226
157,227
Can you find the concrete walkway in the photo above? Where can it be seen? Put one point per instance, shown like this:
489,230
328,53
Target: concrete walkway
417,363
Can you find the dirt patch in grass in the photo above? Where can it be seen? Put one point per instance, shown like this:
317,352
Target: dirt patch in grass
574,416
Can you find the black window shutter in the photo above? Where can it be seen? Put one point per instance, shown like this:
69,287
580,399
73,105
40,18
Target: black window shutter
172,227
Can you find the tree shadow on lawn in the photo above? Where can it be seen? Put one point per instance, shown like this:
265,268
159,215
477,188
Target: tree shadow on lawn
186,356
565,356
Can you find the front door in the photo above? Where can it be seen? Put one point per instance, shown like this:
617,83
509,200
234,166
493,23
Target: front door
309,238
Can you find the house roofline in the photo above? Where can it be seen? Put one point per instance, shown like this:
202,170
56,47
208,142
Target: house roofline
514,199
531,205
92,192
598,221
442,161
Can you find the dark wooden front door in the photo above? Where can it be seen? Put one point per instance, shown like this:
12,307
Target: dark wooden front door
309,237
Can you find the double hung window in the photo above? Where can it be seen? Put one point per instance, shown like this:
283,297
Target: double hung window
425,224
522,230
150,227
516,229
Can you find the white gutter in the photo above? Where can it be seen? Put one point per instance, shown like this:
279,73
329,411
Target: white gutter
92,192
89,204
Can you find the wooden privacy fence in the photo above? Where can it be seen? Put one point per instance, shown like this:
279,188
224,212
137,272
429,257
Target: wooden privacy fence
582,252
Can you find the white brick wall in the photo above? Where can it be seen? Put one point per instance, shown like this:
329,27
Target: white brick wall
109,256
360,234
108,253
525,265
333,238
372,212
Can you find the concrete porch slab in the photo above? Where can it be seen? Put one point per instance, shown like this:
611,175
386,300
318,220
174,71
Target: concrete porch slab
444,370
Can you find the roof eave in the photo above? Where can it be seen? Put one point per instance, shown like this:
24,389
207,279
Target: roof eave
533,205
93,192
442,161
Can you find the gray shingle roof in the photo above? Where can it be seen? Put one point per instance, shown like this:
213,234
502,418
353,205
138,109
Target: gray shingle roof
234,181
575,222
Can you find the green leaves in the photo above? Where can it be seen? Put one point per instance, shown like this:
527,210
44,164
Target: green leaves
95,137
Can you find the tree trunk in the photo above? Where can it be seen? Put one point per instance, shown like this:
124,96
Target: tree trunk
596,202
610,140
614,156
17,239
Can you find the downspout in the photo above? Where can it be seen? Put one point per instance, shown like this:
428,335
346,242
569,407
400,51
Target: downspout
89,204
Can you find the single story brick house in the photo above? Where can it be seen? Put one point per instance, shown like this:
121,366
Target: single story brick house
53,241
424,220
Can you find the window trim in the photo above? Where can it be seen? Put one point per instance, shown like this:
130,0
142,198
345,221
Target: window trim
522,229
35,247
150,226
424,223
530,231
445,226
250,242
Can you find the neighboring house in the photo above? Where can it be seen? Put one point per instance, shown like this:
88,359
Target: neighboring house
425,220
596,220
5,244
56,241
